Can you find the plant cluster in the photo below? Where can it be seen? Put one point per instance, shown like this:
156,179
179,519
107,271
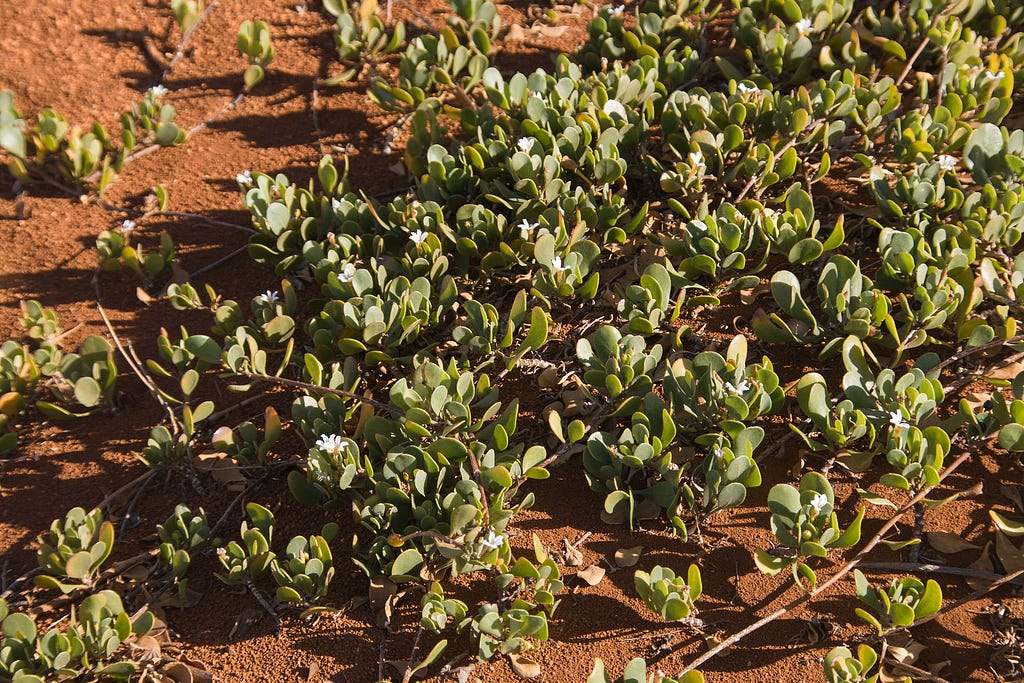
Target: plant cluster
40,374
692,178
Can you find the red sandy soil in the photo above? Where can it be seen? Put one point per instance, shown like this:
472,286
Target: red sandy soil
89,60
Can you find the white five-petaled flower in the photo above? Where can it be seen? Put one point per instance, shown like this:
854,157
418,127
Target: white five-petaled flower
268,297
718,453
492,541
526,228
697,162
803,27
896,419
556,265
244,178
419,237
614,108
222,553
347,273
745,89
741,388
947,162
524,144
127,226
159,91
617,10
819,501
331,444
997,76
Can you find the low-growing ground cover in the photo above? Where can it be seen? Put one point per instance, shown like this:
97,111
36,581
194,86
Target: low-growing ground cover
498,342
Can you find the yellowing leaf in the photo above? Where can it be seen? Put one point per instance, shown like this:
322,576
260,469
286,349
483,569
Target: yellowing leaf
1007,526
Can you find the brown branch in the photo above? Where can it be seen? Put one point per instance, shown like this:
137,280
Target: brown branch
917,568
315,387
974,350
1014,577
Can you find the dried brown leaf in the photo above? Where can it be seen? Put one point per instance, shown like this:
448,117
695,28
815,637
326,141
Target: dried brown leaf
983,563
1013,493
146,649
524,667
1007,372
571,555
1009,554
949,543
592,574
628,557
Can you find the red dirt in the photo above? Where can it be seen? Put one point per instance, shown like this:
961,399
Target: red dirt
89,60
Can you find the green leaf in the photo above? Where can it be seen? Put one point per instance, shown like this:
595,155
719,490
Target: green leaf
851,536
88,391
1011,437
931,600
252,76
900,614
876,499
985,142
405,564
635,672
538,333
770,564
168,134
19,626
288,594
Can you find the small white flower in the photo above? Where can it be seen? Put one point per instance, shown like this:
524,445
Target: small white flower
745,89
526,228
819,501
700,225
331,444
492,541
718,453
614,108
127,226
997,76
896,419
347,273
697,162
268,297
556,265
524,144
419,237
803,27
222,553
617,10
244,178
741,388
947,162
159,91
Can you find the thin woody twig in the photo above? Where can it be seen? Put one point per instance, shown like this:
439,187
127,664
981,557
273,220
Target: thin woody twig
315,387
